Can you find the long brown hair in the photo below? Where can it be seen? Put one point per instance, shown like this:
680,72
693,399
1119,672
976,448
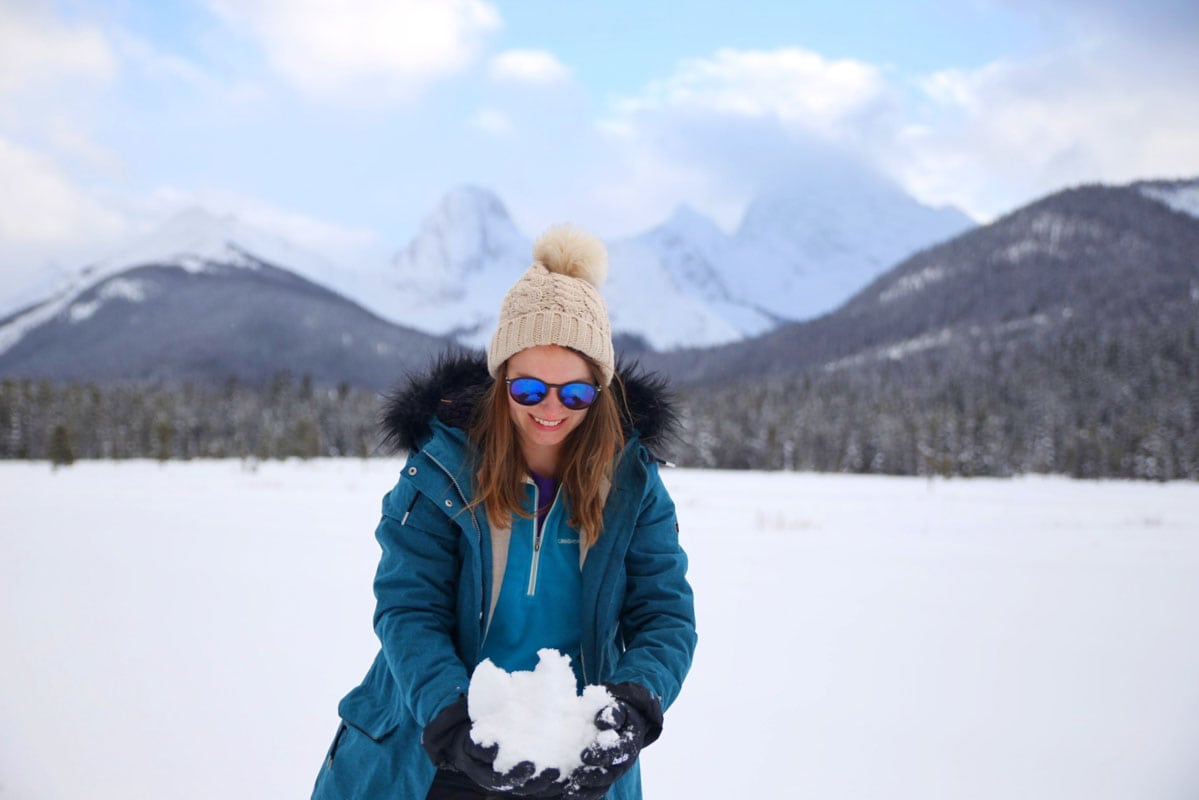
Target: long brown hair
588,458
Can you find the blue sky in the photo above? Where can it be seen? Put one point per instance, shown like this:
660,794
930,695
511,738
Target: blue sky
339,125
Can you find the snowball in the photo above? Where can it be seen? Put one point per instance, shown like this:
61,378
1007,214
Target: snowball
537,715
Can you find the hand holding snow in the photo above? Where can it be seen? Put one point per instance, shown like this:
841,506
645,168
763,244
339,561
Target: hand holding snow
537,716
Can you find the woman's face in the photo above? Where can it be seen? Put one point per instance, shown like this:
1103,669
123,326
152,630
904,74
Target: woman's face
543,428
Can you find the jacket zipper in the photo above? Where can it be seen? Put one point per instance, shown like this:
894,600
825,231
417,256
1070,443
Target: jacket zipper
532,590
537,526
538,534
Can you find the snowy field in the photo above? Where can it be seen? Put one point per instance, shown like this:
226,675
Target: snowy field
185,631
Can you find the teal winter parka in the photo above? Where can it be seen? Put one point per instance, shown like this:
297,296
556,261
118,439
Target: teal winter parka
433,587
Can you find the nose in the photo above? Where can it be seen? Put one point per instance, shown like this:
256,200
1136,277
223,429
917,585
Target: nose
552,403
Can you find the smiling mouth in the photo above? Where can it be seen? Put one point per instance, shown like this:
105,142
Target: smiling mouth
548,423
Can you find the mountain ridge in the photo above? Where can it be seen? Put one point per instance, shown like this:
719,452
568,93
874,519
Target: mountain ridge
967,282
963,287
166,323
448,280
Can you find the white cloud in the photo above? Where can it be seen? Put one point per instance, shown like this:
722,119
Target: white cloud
528,66
615,182
997,137
986,140
37,50
795,86
43,206
339,243
385,48
45,219
718,130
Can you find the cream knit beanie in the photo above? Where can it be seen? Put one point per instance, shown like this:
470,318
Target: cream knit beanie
557,302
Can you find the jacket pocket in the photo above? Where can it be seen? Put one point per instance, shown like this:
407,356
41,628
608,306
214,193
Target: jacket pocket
341,731
372,707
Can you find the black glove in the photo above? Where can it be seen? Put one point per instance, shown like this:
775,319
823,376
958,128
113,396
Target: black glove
448,743
636,717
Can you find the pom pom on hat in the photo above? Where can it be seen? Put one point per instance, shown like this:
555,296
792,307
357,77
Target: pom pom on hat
569,251
557,301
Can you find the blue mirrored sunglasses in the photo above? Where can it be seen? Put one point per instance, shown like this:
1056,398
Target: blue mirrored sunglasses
575,395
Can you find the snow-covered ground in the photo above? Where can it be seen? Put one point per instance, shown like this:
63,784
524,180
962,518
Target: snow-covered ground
185,631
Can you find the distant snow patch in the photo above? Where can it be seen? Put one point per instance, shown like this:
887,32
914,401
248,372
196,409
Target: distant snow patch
909,284
16,329
1018,325
132,291
119,289
191,264
82,311
1183,198
125,289
941,338
1015,253
1051,234
905,348
894,352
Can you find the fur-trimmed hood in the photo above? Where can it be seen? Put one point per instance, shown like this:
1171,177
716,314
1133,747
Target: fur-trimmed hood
452,388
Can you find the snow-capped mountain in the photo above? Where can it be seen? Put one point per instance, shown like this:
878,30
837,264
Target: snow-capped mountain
684,283
205,298
1076,269
193,241
694,253
647,301
450,278
803,250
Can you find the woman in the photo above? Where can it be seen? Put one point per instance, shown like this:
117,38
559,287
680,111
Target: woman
529,514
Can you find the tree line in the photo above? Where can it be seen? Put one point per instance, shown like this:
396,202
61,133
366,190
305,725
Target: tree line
1085,405
1078,404
286,418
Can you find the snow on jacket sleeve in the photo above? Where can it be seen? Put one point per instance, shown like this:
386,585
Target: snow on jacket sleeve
415,589
658,614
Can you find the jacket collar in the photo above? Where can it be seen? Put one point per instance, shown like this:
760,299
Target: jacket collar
451,389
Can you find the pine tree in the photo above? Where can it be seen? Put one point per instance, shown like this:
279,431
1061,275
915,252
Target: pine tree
61,452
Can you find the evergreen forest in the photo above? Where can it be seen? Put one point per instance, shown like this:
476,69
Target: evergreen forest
1084,406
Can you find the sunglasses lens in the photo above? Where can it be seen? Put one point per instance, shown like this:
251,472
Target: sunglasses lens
528,391
576,396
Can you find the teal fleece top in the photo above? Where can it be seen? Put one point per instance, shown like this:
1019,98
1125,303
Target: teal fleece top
541,589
